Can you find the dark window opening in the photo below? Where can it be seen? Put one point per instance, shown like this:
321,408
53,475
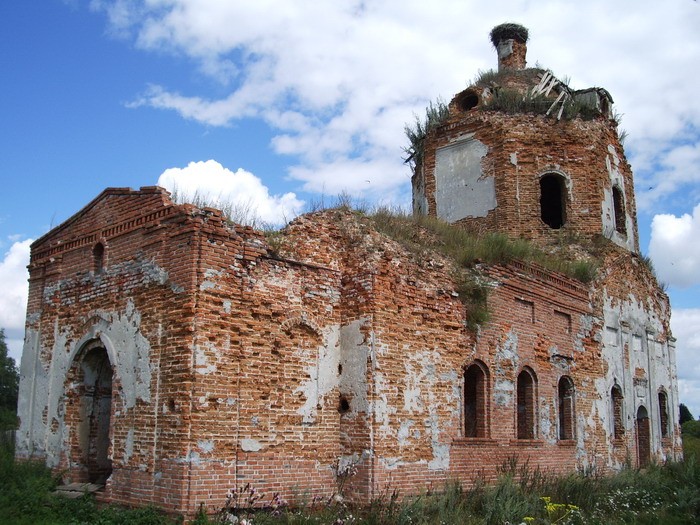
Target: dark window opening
619,209
552,201
475,395
526,405
663,414
468,100
343,405
618,427
98,256
566,408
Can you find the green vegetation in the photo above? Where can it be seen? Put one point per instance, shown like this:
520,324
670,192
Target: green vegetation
9,386
26,499
512,101
685,414
422,235
668,494
435,114
691,434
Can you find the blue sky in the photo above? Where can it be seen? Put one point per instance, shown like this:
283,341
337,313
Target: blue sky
282,103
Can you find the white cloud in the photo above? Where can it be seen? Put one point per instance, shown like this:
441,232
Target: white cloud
337,80
241,191
13,300
685,323
675,248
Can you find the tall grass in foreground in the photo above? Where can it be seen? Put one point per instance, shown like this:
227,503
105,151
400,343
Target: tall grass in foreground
667,494
26,499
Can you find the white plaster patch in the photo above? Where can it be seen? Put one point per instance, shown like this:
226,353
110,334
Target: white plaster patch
128,446
209,281
404,433
250,445
323,375
353,359
461,188
201,360
206,445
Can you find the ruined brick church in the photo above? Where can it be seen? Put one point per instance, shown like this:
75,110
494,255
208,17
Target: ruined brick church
173,356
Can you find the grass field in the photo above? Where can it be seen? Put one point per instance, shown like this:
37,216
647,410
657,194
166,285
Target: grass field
668,494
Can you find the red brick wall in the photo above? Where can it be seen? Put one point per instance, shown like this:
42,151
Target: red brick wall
341,352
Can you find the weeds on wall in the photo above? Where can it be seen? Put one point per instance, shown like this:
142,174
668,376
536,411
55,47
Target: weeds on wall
243,213
512,101
422,235
435,114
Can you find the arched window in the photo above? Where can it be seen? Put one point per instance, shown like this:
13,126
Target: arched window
619,210
618,426
98,257
553,200
566,408
663,413
643,437
475,400
526,414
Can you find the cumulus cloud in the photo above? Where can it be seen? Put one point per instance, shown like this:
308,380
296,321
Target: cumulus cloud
685,323
337,80
675,248
241,193
13,300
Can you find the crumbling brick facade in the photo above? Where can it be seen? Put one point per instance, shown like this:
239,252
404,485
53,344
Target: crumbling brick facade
174,356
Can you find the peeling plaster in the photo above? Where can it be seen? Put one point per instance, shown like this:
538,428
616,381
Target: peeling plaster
201,359
505,360
323,375
43,385
209,280
128,446
461,188
354,353
206,445
250,445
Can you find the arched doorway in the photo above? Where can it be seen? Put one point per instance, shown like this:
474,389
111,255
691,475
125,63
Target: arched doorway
89,413
643,437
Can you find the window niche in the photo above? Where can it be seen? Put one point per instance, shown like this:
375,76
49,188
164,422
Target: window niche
617,399
553,200
566,408
475,400
526,412
663,413
619,210
98,258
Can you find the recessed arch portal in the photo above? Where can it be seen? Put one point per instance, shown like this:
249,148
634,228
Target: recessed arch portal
88,413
